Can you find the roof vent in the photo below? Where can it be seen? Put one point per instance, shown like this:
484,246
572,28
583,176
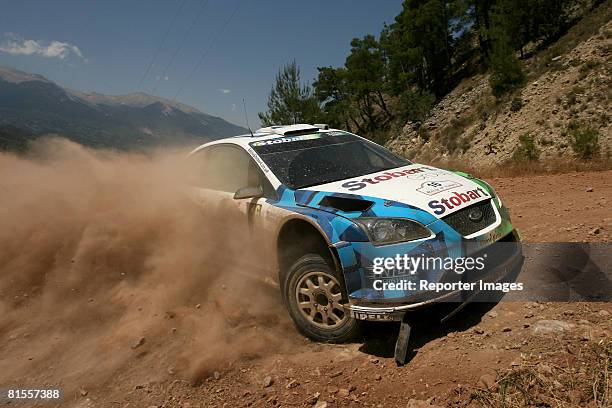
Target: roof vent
289,129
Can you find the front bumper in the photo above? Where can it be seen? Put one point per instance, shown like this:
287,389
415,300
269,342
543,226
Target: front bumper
505,272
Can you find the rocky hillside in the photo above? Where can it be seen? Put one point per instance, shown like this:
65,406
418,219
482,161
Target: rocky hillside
562,112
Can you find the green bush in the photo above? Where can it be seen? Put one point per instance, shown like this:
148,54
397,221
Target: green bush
516,104
527,150
584,139
572,95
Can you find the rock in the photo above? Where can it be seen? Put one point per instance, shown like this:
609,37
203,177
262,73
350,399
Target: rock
332,389
557,58
315,397
343,392
267,381
589,190
198,306
373,360
551,326
171,370
544,369
378,377
492,314
292,384
216,375
478,331
596,231
83,392
336,374
138,343
603,313
506,329
415,403
321,404
488,381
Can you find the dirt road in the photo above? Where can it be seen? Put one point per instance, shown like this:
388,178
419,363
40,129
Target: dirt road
260,360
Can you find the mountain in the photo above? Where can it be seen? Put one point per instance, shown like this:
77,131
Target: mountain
31,105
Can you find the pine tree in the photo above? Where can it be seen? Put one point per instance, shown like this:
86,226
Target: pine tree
506,70
290,101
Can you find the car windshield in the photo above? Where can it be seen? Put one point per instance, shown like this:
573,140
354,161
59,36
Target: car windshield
319,158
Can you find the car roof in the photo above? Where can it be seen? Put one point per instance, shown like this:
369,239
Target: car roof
267,133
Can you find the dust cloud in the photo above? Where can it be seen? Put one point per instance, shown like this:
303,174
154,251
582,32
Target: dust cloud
109,273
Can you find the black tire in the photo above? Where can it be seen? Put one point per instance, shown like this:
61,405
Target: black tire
324,325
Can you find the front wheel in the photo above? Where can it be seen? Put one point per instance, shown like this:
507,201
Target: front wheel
315,297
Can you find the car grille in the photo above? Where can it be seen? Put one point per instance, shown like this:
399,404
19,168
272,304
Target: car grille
461,222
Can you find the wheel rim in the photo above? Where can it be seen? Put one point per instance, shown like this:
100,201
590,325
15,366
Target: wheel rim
319,299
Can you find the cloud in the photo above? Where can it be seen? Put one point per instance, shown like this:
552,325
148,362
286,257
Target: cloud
224,91
16,45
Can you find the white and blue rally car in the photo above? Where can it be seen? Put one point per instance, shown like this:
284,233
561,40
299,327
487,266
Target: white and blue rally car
325,203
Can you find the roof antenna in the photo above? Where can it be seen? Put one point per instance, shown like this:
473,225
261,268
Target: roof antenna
246,117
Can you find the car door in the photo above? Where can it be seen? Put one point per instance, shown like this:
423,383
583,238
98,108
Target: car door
219,170
222,170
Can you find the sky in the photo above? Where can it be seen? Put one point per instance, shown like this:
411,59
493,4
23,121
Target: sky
206,53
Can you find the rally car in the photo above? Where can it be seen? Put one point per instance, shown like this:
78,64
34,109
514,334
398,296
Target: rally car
328,205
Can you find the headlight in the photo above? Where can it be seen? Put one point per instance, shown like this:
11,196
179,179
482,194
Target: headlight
383,231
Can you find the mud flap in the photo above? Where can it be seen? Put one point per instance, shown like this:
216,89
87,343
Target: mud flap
401,344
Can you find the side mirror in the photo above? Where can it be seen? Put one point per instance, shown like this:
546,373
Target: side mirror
248,192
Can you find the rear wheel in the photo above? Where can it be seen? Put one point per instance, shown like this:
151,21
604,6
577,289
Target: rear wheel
315,296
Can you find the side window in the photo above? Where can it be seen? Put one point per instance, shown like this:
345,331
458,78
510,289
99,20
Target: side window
226,168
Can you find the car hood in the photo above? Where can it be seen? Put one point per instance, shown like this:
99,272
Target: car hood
439,192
